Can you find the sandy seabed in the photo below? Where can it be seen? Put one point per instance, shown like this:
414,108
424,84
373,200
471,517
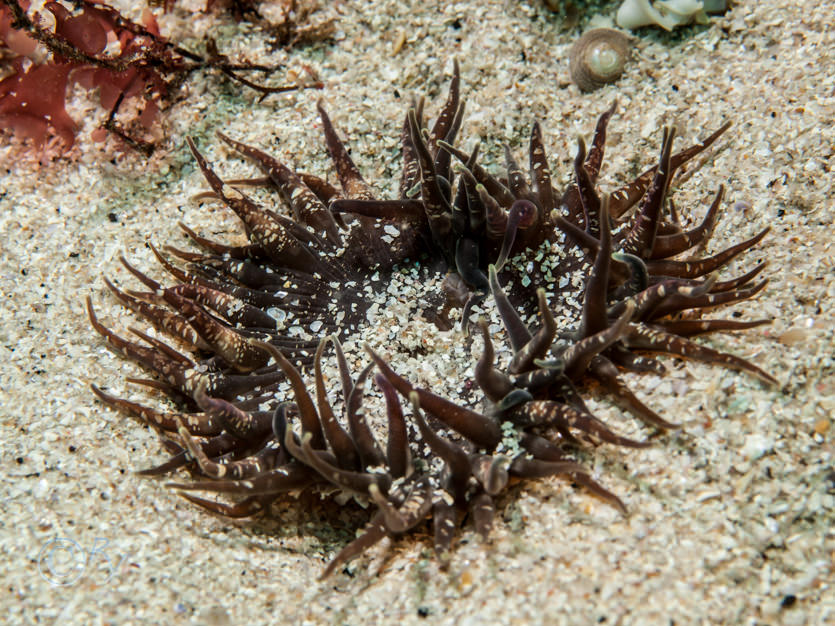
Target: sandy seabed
731,519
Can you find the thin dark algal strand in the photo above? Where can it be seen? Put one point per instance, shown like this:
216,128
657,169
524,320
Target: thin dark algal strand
314,257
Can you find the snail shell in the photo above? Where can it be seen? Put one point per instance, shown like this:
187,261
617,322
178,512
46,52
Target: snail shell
598,58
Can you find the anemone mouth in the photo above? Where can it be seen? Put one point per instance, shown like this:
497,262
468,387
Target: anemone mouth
554,293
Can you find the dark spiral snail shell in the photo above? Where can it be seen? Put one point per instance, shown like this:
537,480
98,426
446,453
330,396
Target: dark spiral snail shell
598,58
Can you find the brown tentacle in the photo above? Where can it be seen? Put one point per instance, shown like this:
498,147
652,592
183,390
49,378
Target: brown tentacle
701,267
474,426
350,178
691,328
645,338
672,245
373,533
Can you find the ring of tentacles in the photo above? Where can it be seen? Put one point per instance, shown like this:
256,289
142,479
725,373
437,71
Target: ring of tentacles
255,421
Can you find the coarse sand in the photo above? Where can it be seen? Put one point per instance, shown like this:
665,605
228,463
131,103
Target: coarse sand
731,519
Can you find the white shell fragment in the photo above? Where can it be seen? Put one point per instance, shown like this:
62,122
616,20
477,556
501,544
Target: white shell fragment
665,13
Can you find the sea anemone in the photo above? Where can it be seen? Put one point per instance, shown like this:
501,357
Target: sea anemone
583,287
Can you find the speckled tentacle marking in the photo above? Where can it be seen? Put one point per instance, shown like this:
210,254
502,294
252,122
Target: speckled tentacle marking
586,285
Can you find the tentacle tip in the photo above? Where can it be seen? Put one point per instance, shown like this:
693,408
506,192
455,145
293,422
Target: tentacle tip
328,571
465,326
374,356
515,398
414,398
91,315
99,393
483,538
770,380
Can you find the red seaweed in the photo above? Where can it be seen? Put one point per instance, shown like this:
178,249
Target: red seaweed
95,46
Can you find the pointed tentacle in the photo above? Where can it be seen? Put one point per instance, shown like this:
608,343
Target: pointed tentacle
676,303
640,238
412,512
367,446
476,427
741,281
452,454
625,198
700,267
540,171
603,369
691,328
522,216
325,465
350,178
398,454
339,440
244,468
200,425
645,338
594,318
672,245
539,344
493,382
161,318
290,477
579,355
493,186
172,370
589,200
372,534
446,118
517,331
307,410
306,206
563,418
598,143
443,527
245,508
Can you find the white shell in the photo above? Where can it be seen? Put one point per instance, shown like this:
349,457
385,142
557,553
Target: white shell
664,13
